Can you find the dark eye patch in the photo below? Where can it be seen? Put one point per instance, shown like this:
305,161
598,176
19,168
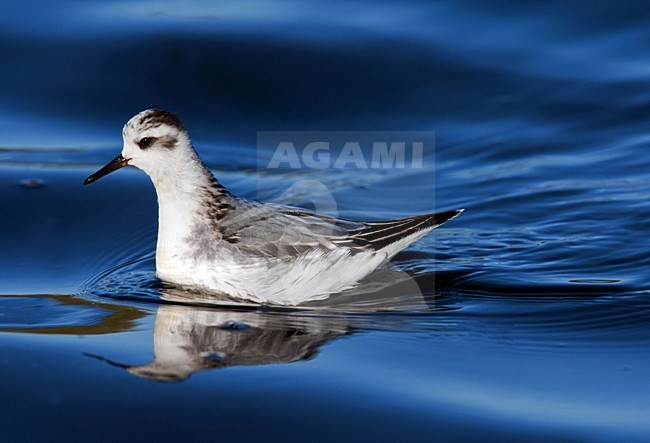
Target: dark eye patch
146,142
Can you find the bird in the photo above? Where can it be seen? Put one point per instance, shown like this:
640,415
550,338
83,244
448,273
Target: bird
260,252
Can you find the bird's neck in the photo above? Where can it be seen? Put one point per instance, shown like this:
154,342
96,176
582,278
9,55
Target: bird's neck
187,193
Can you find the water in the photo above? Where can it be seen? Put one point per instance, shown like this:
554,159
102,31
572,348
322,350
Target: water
526,317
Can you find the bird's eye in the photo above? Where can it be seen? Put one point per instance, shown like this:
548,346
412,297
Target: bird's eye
145,142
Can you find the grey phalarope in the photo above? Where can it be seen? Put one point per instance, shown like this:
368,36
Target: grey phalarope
260,252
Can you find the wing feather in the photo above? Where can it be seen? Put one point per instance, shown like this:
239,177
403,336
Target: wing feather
286,232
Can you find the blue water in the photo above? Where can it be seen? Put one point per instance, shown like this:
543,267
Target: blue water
525,318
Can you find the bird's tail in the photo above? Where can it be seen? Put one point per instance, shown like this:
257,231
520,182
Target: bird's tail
380,234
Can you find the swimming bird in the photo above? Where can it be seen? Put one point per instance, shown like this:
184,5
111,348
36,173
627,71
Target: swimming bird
261,252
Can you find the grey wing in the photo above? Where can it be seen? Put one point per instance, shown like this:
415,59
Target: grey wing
282,231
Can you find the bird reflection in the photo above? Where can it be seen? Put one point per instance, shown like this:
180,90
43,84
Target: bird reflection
226,332
189,339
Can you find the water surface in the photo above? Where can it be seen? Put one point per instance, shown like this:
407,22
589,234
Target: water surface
526,317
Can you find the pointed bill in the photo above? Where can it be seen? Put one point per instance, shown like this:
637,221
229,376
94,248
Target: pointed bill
117,163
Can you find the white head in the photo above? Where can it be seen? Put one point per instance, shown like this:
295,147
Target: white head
156,142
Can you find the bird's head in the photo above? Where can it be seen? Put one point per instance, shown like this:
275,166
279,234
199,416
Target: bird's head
153,140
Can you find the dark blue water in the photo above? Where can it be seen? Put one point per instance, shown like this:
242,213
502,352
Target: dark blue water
525,318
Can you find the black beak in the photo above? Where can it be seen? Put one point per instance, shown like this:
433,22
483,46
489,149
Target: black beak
110,362
117,163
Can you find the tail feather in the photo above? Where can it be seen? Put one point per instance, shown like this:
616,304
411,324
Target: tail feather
378,235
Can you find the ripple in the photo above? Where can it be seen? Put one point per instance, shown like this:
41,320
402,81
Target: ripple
32,183
64,314
594,281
